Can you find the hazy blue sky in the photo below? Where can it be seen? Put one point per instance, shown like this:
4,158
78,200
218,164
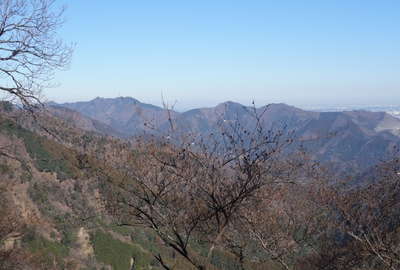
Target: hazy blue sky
204,52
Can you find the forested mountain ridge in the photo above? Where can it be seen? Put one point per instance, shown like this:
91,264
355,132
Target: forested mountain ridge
352,139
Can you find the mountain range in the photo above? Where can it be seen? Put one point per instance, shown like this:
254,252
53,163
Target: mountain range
62,169
350,139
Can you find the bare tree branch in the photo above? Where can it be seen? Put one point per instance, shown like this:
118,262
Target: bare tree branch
30,50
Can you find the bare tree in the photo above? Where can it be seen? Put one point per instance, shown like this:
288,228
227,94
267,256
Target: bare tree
371,217
193,187
30,50
361,224
281,223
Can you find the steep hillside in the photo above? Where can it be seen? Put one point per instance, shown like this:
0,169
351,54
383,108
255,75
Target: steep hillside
76,199
53,212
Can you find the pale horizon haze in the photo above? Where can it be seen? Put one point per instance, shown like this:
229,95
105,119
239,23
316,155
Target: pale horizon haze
200,53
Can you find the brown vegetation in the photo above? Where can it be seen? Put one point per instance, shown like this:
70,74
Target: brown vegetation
234,199
238,191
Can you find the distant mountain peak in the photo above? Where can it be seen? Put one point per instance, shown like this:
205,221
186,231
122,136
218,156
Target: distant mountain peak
230,103
281,106
117,99
230,106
